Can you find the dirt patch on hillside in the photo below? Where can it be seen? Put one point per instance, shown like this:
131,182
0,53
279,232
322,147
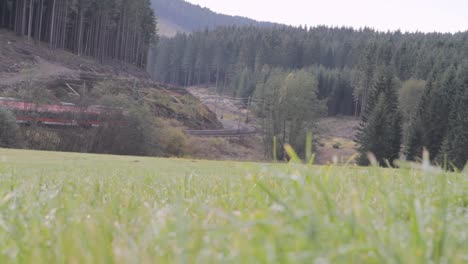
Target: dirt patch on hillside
336,140
19,54
31,71
40,70
233,114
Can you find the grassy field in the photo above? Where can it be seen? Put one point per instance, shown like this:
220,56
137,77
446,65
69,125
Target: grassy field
74,208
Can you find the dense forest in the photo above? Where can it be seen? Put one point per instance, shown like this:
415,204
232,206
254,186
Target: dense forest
408,88
346,62
440,119
194,17
104,29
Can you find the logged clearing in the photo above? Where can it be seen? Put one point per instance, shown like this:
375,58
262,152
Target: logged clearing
233,115
76,208
336,137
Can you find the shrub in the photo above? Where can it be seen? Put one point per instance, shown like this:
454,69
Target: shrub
172,140
8,129
125,134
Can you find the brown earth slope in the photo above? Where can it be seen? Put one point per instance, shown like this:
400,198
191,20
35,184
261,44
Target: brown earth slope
334,136
28,69
232,115
336,140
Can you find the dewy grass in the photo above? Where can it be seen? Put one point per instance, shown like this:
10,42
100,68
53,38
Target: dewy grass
74,208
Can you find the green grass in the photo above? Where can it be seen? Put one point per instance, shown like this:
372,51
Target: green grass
74,208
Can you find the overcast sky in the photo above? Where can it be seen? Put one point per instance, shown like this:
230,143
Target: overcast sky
407,15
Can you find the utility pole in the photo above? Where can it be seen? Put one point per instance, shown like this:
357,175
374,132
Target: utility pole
249,102
216,104
239,123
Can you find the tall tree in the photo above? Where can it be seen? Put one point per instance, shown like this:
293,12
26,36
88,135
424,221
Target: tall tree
430,125
288,105
342,58
365,76
380,131
455,146
104,29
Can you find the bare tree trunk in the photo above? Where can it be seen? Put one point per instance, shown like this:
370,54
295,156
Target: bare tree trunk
80,27
217,77
122,37
137,52
36,16
88,40
12,17
65,20
58,23
23,18
30,20
364,101
41,12
51,37
119,35
4,7
16,8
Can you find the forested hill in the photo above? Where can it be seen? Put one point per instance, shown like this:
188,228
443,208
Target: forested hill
180,15
345,62
106,30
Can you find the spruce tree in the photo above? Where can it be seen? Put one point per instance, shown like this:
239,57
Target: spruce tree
380,131
435,121
455,146
415,139
414,144
429,128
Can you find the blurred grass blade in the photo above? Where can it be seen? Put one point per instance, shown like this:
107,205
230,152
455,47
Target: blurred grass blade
292,154
372,159
312,160
275,198
353,157
309,147
275,149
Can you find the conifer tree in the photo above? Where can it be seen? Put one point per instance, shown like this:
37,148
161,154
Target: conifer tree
429,127
380,131
353,58
365,76
435,119
415,143
455,146
120,30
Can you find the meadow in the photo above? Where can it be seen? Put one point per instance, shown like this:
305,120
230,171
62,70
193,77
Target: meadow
79,208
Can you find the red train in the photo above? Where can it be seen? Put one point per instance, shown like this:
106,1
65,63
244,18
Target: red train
59,115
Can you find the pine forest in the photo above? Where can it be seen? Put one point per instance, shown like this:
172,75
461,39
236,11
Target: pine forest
120,30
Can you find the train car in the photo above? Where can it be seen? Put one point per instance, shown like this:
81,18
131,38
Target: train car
57,115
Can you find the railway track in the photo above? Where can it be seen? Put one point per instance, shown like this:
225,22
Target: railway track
223,132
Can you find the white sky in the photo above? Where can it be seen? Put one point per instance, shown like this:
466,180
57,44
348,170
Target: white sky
407,15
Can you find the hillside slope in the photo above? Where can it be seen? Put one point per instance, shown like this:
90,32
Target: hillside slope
34,73
180,16
28,69
95,28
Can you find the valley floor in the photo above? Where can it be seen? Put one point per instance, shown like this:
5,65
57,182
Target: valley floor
79,208
334,135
